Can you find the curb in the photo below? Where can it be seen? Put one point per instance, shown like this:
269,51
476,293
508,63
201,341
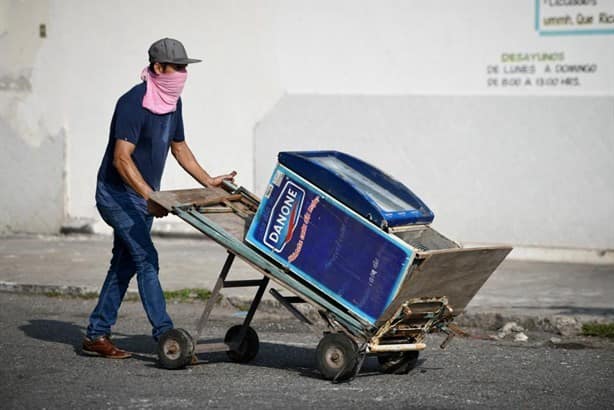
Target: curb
563,325
73,291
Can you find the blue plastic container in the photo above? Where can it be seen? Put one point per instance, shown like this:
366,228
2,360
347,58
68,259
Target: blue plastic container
362,187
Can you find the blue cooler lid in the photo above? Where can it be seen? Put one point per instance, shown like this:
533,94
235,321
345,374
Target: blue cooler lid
362,187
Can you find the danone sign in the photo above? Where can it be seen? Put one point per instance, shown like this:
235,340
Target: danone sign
328,245
284,217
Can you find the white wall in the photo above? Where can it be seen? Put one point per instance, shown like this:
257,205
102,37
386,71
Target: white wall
493,169
338,63
94,52
405,85
430,47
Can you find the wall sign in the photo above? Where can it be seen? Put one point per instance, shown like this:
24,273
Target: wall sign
539,71
574,17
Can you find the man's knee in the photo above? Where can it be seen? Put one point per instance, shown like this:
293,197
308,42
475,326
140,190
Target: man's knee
147,261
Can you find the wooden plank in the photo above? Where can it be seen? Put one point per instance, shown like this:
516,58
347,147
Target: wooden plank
211,347
169,199
215,210
217,200
457,274
239,208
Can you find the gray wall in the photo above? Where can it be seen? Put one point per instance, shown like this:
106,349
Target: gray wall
520,170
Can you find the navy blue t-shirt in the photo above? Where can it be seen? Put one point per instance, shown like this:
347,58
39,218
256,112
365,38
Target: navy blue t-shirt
150,133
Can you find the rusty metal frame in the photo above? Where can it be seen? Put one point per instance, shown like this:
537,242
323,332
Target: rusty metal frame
411,322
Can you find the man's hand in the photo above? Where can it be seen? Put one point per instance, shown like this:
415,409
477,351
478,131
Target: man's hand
156,210
217,181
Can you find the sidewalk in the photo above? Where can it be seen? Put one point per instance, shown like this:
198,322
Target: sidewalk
529,289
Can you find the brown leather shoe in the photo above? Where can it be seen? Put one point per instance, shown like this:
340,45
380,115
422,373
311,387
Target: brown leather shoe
103,346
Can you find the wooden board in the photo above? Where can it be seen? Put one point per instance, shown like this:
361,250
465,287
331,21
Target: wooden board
457,274
169,199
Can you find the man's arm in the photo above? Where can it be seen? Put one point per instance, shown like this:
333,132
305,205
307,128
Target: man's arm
186,159
122,161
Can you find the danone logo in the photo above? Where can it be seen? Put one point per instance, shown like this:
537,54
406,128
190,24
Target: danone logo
284,217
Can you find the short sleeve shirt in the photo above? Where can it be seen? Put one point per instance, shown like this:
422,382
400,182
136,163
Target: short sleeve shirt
150,133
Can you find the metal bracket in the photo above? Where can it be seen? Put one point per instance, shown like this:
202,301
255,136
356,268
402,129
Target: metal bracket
287,302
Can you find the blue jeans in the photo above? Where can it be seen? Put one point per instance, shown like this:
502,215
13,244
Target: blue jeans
133,252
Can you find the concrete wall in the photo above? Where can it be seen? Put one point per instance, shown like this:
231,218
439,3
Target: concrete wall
32,130
366,76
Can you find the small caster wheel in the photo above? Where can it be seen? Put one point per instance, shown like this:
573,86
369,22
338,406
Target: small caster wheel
337,356
399,362
175,349
191,347
244,350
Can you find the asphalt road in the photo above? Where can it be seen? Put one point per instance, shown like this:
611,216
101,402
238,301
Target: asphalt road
40,368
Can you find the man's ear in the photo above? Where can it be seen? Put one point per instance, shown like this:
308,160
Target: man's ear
157,68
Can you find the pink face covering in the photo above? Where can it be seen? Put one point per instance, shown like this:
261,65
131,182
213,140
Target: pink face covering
163,90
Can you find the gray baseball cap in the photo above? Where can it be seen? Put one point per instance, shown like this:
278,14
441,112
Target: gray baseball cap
169,50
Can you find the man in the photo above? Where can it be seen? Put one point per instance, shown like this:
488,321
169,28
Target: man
147,122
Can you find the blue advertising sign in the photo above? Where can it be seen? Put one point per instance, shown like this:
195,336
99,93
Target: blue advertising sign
329,245
286,212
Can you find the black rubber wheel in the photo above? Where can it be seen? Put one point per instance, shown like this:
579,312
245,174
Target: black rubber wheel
188,336
247,349
398,363
175,349
191,346
337,356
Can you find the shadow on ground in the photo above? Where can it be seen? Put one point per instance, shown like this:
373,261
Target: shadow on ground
301,360
56,331
278,356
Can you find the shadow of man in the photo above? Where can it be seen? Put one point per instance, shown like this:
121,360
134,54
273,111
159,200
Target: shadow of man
56,331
